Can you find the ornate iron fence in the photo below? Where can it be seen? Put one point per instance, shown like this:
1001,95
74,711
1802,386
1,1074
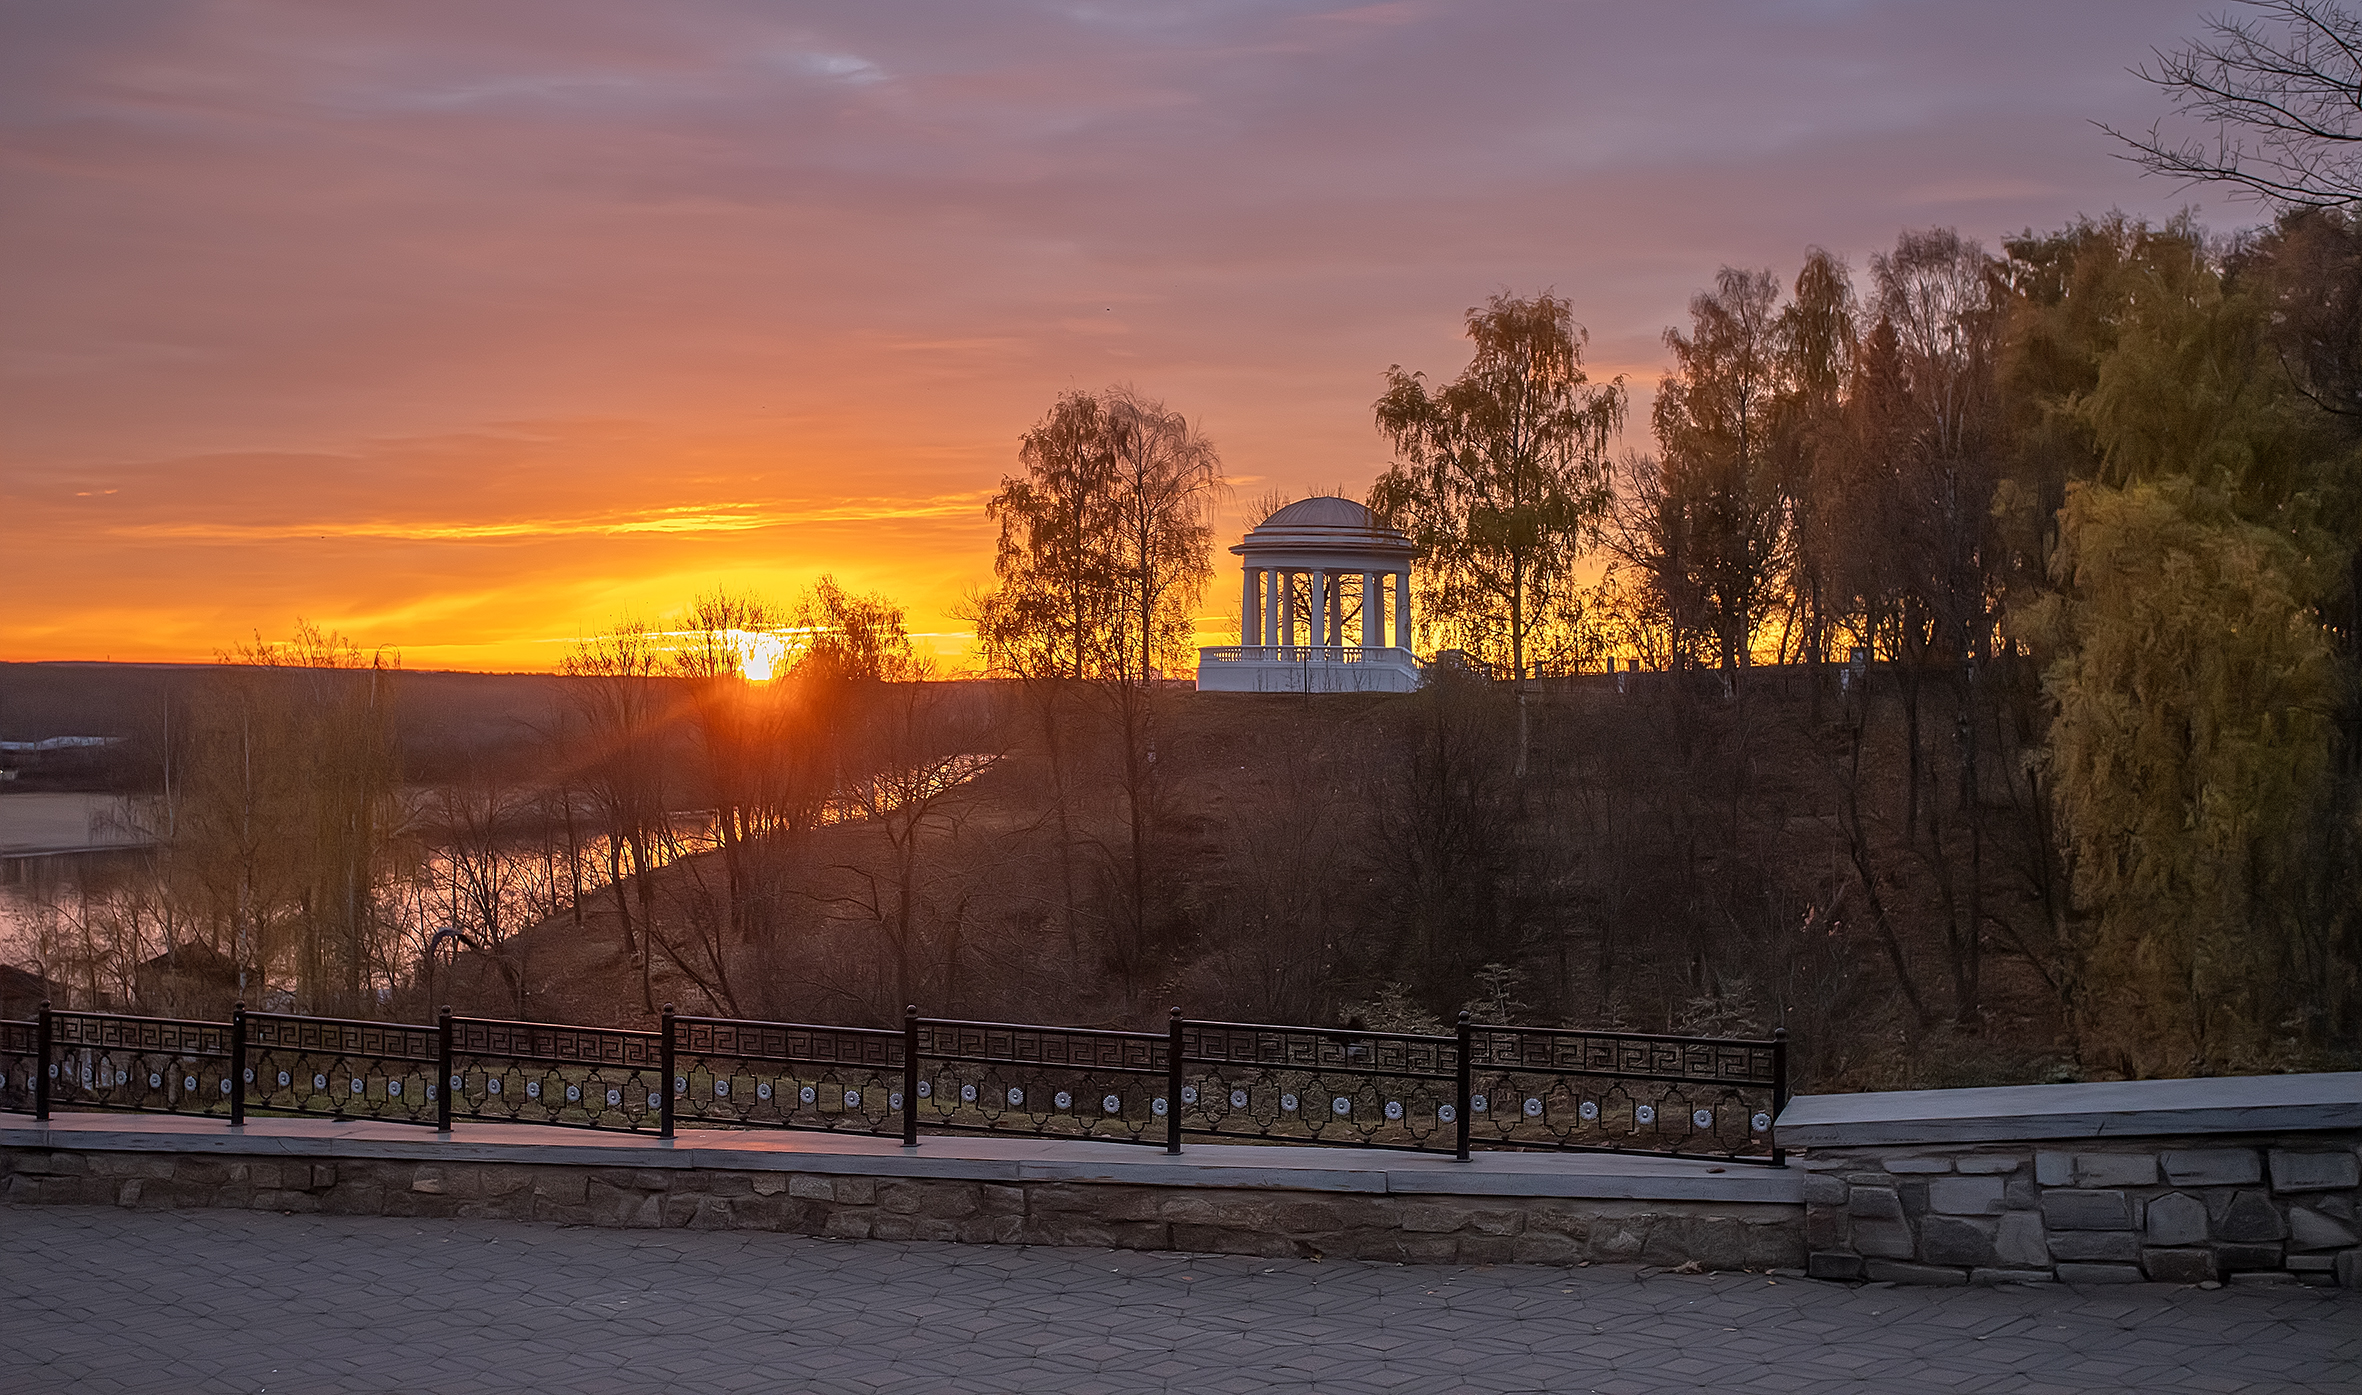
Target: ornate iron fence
146,1065
1310,1085
339,1068
1484,1086
785,1075
538,1073
20,1062
1625,1092
1043,1082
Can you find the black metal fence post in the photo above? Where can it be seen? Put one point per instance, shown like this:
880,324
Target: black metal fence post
41,1063
910,1075
664,1055
1779,1092
1460,1104
1173,1083
446,1084
238,1065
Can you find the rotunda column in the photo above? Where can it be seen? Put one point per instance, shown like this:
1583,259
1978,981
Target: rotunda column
1250,607
1402,609
1373,612
1316,624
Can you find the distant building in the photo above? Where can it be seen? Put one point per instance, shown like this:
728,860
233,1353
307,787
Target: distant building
1325,606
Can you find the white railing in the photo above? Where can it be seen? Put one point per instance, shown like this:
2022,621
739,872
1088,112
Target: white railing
1304,654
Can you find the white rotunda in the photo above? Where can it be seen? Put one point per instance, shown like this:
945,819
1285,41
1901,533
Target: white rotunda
1325,608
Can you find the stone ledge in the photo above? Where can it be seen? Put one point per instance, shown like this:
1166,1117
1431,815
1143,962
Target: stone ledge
963,1158
2260,1104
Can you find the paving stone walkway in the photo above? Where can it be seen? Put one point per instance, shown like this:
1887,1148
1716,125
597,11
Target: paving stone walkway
98,1300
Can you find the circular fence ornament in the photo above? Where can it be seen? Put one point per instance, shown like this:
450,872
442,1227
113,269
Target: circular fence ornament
53,1071
1189,1094
680,1085
319,1082
763,1090
807,1094
1288,1103
1238,1099
1394,1109
533,1090
225,1087
721,1089
614,1099
894,1101
1646,1114
357,1086
573,1094
249,1075
1589,1110
1016,1096
1477,1103
491,1084
393,1089
1444,1113
1157,1107
1064,1100
284,1080
1533,1109
1340,1106
655,1099
1111,1104
1760,1122
967,1094
926,1089
456,1084
852,1099
122,1077
155,1081
1702,1118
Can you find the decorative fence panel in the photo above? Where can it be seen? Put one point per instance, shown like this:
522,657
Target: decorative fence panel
1308,1085
537,1073
20,1063
786,1075
1042,1082
1483,1087
147,1065
341,1069
1620,1092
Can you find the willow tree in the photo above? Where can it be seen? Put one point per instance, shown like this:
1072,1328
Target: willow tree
1500,474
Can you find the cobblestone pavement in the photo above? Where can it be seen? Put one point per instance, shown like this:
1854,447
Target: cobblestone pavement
96,1300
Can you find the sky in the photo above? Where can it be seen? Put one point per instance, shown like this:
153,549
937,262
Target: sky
469,330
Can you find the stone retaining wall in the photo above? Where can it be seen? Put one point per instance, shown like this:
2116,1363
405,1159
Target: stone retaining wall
1273,1222
2198,1209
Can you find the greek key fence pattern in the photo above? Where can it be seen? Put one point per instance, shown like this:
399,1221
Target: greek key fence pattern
1485,1086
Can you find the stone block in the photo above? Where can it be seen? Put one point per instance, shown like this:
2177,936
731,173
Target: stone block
770,1184
992,1228
2177,1266
854,1191
2177,1219
810,1188
127,1193
2310,1230
1986,1164
1825,1228
1887,1271
855,1225
2009,1276
1774,1245
1874,1204
2312,1264
1912,1192
1910,1165
2086,1246
2248,1218
1535,1247
2054,1169
2021,1194
2074,1210
2349,1270
1884,1239
2262,1279
2115,1170
428,1182
2241,1257
2211,1167
625,1207
2293,1171
1432,1219
1956,1240
2099,1273
1964,1196
1823,1191
2342,1207
2019,1241
1821,1264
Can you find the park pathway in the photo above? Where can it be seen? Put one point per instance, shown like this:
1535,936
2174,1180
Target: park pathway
99,1300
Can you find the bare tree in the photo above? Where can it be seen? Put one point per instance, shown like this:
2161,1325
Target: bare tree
2277,83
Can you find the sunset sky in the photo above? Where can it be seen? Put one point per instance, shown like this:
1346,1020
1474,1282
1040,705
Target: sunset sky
468,328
